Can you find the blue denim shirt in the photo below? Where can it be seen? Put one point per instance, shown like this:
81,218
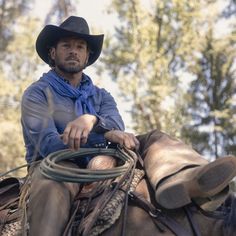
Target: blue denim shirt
45,114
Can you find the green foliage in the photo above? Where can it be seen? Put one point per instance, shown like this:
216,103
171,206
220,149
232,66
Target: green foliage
60,10
151,45
153,50
10,136
9,12
16,75
156,51
213,93
19,68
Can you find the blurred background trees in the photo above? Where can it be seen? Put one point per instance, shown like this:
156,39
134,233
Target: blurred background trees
176,65
173,61
16,50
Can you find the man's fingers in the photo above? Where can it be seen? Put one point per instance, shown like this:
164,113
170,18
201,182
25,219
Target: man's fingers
131,141
123,138
77,131
66,134
77,139
73,138
136,143
84,136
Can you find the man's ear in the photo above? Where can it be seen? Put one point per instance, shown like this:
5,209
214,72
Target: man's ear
52,53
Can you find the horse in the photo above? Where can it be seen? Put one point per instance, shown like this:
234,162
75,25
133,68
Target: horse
141,221
134,212
188,220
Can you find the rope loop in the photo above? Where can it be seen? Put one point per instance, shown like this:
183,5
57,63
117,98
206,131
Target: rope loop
51,168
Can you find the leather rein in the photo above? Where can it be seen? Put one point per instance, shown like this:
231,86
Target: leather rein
157,215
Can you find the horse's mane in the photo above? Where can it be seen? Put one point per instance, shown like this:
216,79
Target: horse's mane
230,219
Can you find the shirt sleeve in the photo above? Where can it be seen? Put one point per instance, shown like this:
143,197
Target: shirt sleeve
38,124
40,131
109,117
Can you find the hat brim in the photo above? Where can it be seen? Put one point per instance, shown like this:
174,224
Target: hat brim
51,34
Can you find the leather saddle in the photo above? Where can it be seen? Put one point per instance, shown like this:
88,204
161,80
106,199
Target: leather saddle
9,198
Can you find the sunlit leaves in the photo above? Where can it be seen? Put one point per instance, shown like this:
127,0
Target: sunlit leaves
157,46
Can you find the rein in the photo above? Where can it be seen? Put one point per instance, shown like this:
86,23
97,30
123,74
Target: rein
136,157
157,215
127,174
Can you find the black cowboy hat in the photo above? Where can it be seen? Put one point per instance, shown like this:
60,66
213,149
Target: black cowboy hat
72,26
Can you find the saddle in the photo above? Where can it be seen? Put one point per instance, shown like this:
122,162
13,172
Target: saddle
82,214
85,216
93,214
9,212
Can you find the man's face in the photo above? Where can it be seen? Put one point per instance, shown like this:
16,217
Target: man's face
70,55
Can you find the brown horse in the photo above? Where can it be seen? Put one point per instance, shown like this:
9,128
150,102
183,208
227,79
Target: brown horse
143,217
185,221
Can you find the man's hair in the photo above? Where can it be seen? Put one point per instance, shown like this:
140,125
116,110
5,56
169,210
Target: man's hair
51,62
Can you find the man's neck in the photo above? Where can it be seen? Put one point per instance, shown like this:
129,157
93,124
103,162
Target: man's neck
74,79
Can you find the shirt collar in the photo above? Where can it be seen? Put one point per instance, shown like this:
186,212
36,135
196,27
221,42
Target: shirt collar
83,80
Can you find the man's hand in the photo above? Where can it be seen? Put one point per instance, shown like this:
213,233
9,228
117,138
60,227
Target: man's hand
77,131
123,138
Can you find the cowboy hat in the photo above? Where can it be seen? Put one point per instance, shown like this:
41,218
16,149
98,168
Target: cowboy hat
72,26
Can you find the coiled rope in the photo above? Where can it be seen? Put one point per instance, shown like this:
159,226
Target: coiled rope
51,168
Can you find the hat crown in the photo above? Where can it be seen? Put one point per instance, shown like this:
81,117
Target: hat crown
75,24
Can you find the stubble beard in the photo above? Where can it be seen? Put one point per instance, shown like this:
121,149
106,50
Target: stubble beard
71,69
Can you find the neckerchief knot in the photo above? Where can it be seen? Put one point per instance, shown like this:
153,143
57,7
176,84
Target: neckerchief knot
80,95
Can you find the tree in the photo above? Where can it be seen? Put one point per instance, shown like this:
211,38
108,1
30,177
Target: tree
60,10
154,48
150,48
16,75
12,148
212,93
212,129
19,68
9,11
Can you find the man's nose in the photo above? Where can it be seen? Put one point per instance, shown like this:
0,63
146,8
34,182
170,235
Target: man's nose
73,50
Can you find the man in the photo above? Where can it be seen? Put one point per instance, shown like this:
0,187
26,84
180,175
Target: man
63,109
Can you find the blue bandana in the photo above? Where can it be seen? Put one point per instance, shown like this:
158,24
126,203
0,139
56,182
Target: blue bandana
80,94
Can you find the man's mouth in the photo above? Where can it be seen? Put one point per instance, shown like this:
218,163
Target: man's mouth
72,60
